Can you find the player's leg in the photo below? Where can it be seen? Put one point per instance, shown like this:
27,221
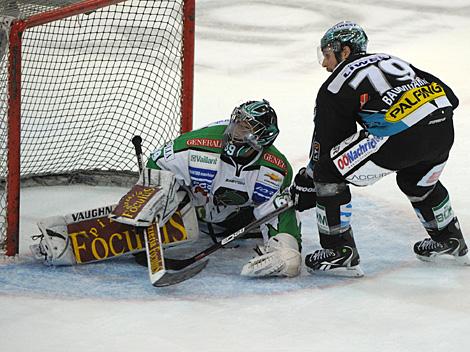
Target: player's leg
339,252
431,202
430,199
349,162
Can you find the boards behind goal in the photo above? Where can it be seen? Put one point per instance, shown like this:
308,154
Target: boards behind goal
78,79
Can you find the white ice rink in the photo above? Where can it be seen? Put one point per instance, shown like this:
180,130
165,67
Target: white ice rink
252,50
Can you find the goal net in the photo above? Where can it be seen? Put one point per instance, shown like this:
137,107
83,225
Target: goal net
78,80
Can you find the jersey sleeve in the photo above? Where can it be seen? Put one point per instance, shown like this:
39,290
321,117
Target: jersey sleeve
172,157
287,222
334,121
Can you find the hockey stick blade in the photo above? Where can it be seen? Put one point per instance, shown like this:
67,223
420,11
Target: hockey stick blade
172,277
175,272
171,264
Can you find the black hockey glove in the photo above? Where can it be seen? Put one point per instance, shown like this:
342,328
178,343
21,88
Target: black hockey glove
303,191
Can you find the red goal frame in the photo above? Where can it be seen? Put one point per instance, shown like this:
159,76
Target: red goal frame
14,96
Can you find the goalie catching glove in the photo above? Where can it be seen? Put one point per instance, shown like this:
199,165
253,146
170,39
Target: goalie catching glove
279,257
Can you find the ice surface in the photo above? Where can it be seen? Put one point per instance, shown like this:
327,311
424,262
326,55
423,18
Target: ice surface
251,50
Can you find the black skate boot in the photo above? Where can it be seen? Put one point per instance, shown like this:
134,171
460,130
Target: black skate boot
448,241
342,261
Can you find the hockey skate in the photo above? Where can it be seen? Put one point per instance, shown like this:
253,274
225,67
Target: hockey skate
429,250
342,261
454,245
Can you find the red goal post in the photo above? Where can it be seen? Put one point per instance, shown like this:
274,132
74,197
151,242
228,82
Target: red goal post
78,80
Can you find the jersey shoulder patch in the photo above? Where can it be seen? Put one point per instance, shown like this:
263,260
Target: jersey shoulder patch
274,159
207,139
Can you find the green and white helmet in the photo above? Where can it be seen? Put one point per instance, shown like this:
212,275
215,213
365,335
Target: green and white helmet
252,127
342,34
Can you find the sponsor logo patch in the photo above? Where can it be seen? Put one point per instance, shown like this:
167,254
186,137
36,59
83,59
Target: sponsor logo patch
203,159
102,238
157,154
443,213
346,161
322,220
134,201
432,176
89,214
202,179
274,177
345,213
272,159
235,181
368,174
168,152
344,144
155,253
262,193
412,100
204,142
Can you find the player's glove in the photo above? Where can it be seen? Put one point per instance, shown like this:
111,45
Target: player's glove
303,191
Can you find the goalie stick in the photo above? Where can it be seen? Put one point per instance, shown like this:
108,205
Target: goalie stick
160,273
183,269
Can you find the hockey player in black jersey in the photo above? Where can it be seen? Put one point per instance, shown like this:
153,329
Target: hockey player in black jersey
407,129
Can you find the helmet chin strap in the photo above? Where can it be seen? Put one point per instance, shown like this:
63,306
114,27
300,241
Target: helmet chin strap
338,57
338,54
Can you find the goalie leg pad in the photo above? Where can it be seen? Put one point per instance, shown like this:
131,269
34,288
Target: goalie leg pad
280,257
54,246
90,236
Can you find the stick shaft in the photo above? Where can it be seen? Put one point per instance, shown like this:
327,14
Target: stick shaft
178,264
137,142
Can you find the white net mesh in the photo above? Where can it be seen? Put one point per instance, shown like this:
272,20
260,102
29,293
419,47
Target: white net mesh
89,83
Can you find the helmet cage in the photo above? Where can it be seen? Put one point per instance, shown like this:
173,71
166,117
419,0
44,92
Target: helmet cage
250,129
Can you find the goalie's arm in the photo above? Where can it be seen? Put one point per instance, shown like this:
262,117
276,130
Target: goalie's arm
287,221
171,159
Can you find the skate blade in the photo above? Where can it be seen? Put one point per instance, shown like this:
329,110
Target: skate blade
463,260
353,271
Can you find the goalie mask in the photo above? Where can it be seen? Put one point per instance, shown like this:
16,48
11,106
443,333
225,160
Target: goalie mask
252,127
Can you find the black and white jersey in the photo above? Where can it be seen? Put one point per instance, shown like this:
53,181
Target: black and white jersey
384,94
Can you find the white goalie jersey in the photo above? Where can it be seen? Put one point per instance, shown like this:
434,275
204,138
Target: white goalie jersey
219,186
